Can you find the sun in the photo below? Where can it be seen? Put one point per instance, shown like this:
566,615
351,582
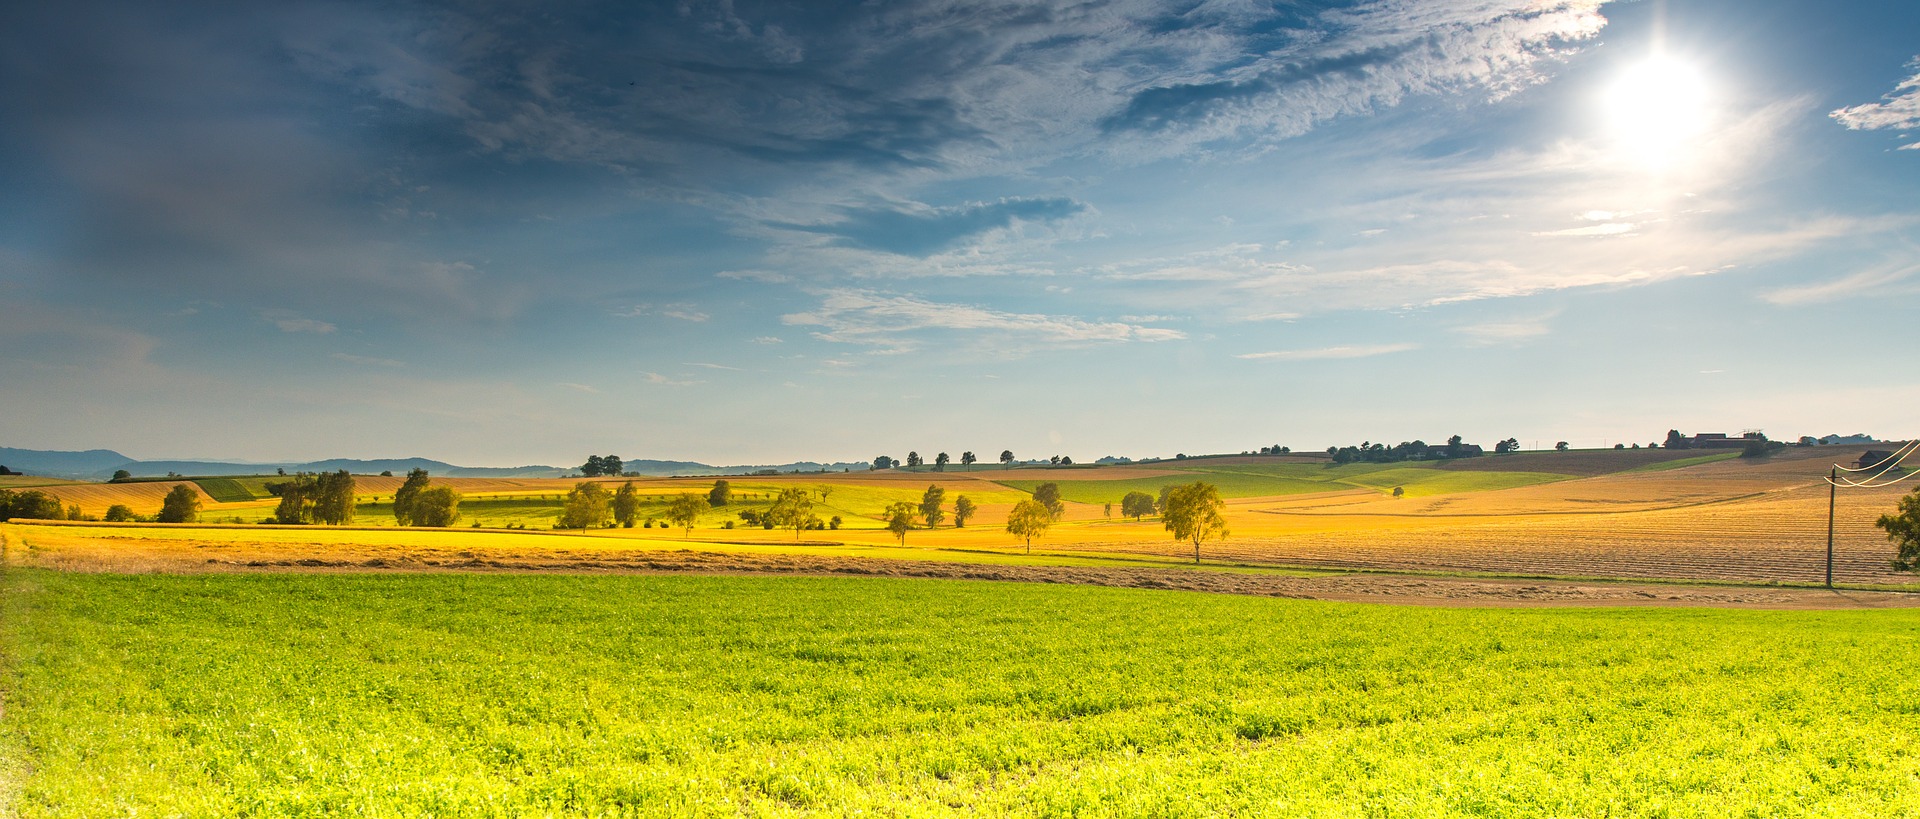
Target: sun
1657,110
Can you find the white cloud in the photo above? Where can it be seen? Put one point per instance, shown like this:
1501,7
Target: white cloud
866,317
1898,110
1356,351
581,387
707,366
769,340
1608,229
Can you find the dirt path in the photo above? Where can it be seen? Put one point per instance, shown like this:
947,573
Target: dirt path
153,556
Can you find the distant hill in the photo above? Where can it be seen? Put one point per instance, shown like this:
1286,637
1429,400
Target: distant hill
100,464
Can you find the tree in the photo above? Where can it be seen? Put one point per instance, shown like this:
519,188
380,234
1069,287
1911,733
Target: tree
930,505
584,507
333,498
1066,460
1506,446
119,513
1054,460
1903,528
1006,457
900,519
791,510
1136,505
404,497
181,505
963,509
1195,513
119,475
968,460
1560,447
437,506
882,462
1455,446
1028,520
1677,441
913,459
721,494
32,504
1106,510
940,462
685,510
598,465
296,499
1048,495
626,505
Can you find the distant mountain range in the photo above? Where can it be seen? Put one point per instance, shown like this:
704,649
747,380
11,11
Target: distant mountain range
100,464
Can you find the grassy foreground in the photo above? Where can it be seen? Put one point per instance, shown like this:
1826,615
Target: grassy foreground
491,695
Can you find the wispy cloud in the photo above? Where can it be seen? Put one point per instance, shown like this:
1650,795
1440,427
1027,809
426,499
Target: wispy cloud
866,317
923,231
681,311
1898,110
1356,351
368,360
1507,332
656,378
704,365
580,387
295,324
1858,284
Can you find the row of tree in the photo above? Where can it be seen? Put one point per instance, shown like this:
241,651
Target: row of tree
940,461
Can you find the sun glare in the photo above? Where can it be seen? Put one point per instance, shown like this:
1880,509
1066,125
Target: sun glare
1657,109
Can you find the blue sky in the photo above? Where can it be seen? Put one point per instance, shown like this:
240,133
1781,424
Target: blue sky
741,232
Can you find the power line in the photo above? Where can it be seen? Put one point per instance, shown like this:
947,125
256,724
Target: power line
1889,464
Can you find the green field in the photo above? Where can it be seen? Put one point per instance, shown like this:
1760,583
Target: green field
1696,460
1253,481
228,490
486,695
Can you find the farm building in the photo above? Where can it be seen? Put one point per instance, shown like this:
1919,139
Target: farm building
1873,458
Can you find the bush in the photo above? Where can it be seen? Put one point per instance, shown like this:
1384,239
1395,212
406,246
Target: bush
119,513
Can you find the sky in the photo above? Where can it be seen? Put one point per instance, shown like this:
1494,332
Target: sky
742,232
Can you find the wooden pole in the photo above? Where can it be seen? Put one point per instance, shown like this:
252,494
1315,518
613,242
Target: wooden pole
1833,486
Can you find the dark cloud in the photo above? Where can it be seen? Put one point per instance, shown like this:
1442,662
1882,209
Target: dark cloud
929,231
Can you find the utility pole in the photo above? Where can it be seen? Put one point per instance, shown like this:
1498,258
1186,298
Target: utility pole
1833,486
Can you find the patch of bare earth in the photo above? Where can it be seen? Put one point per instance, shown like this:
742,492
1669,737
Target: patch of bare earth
191,556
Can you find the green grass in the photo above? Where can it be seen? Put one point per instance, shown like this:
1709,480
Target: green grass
487,695
1264,480
228,490
1726,455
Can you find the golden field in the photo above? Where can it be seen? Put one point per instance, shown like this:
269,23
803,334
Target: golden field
1725,520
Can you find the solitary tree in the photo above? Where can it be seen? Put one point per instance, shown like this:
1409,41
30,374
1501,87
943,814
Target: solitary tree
608,466
181,505
930,505
1903,528
1195,513
626,505
967,460
437,506
940,462
721,494
1136,504
119,513
1506,446
585,506
403,498
118,475
900,519
963,509
882,462
1048,495
1006,456
1560,447
685,510
913,459
1028,520
792,510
